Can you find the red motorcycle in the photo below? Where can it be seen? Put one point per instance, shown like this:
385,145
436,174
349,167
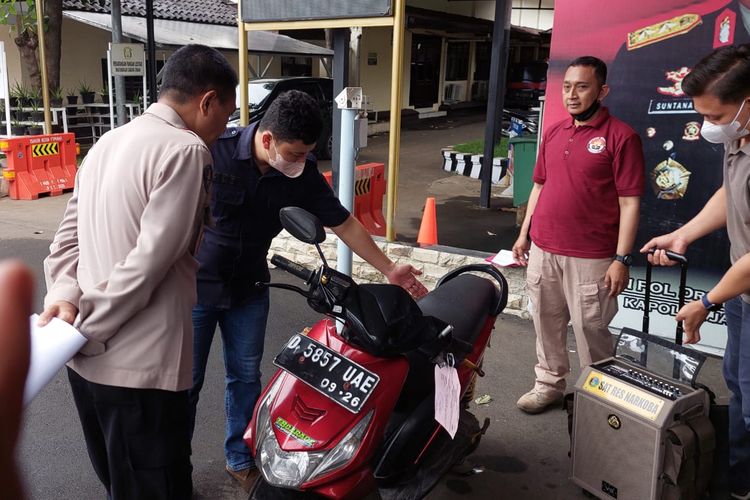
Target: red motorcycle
352,414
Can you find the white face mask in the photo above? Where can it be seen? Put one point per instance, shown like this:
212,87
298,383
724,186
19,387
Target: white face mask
725,132
290,169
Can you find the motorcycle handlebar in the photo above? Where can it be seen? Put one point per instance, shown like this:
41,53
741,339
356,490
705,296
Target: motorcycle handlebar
287,265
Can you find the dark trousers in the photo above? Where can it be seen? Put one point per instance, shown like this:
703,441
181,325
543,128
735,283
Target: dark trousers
137,439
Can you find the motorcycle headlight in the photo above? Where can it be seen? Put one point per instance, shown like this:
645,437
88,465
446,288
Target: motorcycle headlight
291,469
285,468
262,422
345,450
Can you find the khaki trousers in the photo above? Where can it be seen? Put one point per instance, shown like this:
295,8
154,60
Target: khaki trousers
568,289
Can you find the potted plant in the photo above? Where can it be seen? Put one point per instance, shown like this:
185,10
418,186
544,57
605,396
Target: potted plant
37,115
35,97
72,97
16,93
16,128
21,115
35,130
87,94
24,95
56,97
104,96
138,100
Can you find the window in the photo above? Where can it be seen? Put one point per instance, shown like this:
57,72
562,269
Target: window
483,61
457,64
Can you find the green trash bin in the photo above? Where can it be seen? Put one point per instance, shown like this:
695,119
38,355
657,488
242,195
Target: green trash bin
523,159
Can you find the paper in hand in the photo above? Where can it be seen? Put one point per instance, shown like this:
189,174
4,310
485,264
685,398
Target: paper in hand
51,347
504,258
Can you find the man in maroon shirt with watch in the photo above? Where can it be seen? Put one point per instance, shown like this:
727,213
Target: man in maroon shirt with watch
585,202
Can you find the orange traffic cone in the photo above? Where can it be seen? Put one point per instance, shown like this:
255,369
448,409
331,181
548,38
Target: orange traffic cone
428,228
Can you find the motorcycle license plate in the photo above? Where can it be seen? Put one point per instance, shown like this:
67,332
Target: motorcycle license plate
328,372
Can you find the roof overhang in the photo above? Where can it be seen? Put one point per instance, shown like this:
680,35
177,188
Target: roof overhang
179,33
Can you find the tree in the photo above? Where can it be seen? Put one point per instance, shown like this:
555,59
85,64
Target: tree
21,17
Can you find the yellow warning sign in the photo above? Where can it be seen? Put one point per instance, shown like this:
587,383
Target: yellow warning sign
623,395
46,149
362,186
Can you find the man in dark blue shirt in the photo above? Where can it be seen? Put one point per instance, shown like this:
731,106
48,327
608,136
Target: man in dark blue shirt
257,171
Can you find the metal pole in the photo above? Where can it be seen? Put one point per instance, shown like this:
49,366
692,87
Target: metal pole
349,101
119,89
394,138
4,83
346,183
340,82
242,65
43,65
151,48
109,84
496,97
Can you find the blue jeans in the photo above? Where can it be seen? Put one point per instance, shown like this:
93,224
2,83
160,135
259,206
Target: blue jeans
242,333
737,375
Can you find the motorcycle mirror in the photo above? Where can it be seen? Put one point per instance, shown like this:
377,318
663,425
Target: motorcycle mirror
302,225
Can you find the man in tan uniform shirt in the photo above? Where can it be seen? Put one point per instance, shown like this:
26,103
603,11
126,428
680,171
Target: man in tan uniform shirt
123,261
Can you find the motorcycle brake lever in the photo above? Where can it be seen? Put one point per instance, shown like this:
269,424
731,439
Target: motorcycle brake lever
284,286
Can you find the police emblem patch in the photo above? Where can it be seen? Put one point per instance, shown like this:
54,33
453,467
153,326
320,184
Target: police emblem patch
614,421
669,180
597,145
692,131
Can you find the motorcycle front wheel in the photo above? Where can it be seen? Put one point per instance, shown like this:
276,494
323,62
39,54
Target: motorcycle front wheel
261,490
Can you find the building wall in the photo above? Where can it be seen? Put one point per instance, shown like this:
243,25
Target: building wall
12,56
376,79
528,13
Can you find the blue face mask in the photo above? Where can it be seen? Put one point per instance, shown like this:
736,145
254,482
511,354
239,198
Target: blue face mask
720,133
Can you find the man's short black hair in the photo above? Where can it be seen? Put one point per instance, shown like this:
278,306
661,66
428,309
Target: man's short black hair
292,116
725,73
600,68
195,69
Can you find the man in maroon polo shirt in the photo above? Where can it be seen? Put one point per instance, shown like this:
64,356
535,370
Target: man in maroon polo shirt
585,202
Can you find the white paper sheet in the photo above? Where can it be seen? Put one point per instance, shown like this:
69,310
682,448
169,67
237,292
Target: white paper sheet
51,347
504,258
447,398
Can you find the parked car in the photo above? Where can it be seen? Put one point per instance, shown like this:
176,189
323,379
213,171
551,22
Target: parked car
526,83
262,92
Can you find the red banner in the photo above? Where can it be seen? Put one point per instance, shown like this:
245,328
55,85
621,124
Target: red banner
649,48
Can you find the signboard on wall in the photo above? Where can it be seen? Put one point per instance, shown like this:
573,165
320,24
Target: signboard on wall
293,10
649,48
127,59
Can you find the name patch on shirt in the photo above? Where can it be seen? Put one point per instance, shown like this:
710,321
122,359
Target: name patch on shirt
597,145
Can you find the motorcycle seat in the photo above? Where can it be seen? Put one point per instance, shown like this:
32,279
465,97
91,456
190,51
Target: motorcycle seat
464,302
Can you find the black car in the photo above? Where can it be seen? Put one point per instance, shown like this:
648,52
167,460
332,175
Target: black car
526,83
263,91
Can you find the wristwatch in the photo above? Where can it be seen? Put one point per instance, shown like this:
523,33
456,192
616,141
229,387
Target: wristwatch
626,260
708,304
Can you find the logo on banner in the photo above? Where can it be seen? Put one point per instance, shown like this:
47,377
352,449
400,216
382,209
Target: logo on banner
669,180
692,131
597,145
724,28
676,77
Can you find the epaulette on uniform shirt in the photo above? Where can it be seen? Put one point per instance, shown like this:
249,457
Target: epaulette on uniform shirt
663,30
